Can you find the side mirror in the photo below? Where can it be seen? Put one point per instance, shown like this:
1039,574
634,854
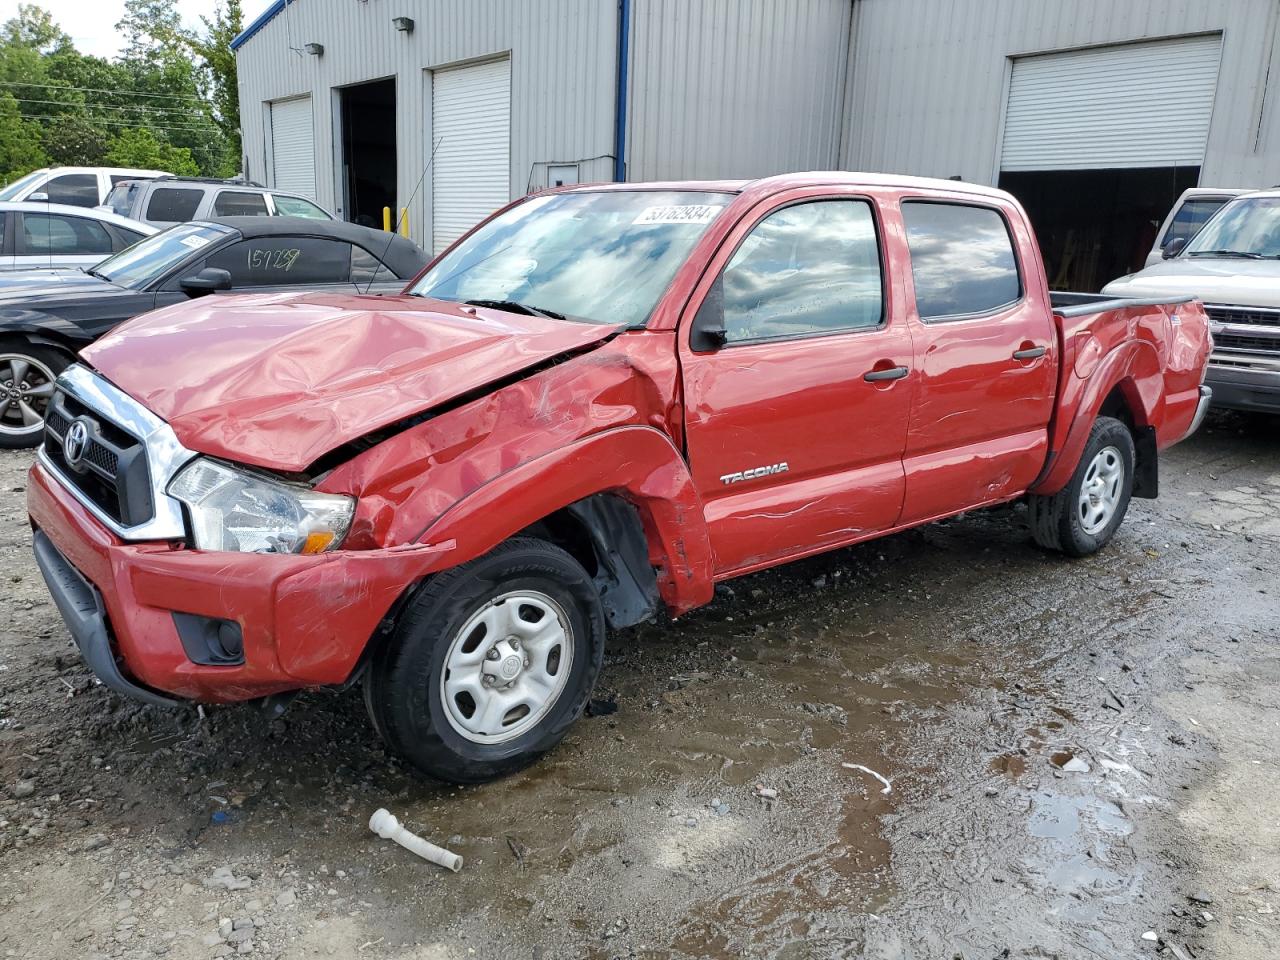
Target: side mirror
1173,247
37,198
708,331
208,280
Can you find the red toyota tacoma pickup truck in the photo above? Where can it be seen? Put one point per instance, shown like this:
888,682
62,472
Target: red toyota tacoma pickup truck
591,409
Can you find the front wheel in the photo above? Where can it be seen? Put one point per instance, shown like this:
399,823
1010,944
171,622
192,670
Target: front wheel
27,372
490,663
1082,517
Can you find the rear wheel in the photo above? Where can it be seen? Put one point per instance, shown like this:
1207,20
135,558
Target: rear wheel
27,372
1082,517
490,663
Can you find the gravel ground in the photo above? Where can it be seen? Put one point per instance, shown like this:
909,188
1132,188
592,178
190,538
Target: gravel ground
1081,756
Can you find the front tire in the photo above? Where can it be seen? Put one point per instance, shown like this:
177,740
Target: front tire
489,664
1082,518
27,372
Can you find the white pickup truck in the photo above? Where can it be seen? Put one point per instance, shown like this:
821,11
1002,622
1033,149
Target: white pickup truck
1233,266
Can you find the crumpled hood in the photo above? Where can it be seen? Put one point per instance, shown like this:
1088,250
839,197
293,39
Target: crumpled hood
277,380
1253,283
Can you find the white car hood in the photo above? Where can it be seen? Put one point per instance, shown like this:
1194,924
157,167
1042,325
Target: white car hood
1252,283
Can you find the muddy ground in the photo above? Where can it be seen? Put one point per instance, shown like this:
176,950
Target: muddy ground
958,661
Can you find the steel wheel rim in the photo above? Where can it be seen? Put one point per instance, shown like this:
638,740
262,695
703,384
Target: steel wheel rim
506,667
1100,491
26,387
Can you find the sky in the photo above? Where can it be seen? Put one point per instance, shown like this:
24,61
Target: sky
92,23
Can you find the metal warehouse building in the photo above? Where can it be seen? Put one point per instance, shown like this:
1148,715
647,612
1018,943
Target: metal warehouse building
1096,113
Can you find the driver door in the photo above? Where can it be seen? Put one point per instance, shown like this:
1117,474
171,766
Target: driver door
798,382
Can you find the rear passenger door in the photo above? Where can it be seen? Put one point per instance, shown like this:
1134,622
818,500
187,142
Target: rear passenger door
796,360
984,348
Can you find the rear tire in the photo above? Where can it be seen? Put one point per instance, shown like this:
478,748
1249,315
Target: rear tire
1082,518
27,372
489,664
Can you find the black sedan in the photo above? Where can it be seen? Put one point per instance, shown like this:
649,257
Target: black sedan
46,316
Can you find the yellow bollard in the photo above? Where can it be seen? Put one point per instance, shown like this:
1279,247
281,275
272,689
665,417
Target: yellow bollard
386,218
404,221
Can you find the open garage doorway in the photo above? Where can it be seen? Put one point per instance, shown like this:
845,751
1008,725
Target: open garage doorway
1096,225
368,113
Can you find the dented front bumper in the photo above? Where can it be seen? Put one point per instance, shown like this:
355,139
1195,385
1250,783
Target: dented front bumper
303,620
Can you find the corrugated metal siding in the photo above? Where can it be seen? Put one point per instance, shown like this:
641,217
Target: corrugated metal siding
735,88
929,78
1131,105
563,60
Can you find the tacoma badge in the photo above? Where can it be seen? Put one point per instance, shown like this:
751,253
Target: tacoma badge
754,472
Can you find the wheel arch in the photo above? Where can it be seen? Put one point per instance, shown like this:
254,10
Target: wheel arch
621,501
1126,384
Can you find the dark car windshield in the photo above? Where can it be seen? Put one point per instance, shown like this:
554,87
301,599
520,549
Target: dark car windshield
153,257
1247,228
603,257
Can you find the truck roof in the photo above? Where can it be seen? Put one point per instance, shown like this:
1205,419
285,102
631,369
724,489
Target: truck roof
788,181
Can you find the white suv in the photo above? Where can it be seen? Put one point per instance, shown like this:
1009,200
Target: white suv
74,186
164,201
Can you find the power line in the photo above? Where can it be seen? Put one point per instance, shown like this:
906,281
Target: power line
135,123
105,106
118,93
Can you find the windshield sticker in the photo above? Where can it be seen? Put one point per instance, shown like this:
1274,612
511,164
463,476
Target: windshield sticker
689,213
195,243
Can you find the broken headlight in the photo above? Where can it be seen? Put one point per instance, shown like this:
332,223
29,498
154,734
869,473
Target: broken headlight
237,510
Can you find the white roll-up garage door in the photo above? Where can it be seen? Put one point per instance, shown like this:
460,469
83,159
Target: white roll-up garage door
471,124
293,147
1134,105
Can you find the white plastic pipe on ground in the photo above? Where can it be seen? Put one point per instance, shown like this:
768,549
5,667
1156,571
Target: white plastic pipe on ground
385,825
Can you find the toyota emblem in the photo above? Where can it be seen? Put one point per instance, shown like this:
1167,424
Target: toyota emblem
76,442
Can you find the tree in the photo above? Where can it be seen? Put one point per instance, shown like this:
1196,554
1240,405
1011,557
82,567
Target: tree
76,141
152,31
214,50
139,147
20,149
35,28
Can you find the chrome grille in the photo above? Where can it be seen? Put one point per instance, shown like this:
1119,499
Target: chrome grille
127,459
1243,332
1251,315
111,470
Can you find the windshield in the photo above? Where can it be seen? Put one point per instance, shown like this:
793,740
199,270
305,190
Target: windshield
15,188
604,257
151,258
1248,228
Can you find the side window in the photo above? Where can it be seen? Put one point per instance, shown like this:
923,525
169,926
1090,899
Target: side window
268,261
50,233
366,268
239,203
173,204
962,259
297,207
77,189
806,269
1191,216
127,238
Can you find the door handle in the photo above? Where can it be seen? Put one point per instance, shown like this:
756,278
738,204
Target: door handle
891,373
1031,353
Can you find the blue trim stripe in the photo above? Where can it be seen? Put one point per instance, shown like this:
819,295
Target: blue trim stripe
263,19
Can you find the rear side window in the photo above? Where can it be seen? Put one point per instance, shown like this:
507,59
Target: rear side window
807,269
1191,216
297,207
50,233
271,261
239,203
962,259
366,268
173,205
77,189
127,238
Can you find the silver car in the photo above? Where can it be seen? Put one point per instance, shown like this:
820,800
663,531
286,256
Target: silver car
36,235
164,201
